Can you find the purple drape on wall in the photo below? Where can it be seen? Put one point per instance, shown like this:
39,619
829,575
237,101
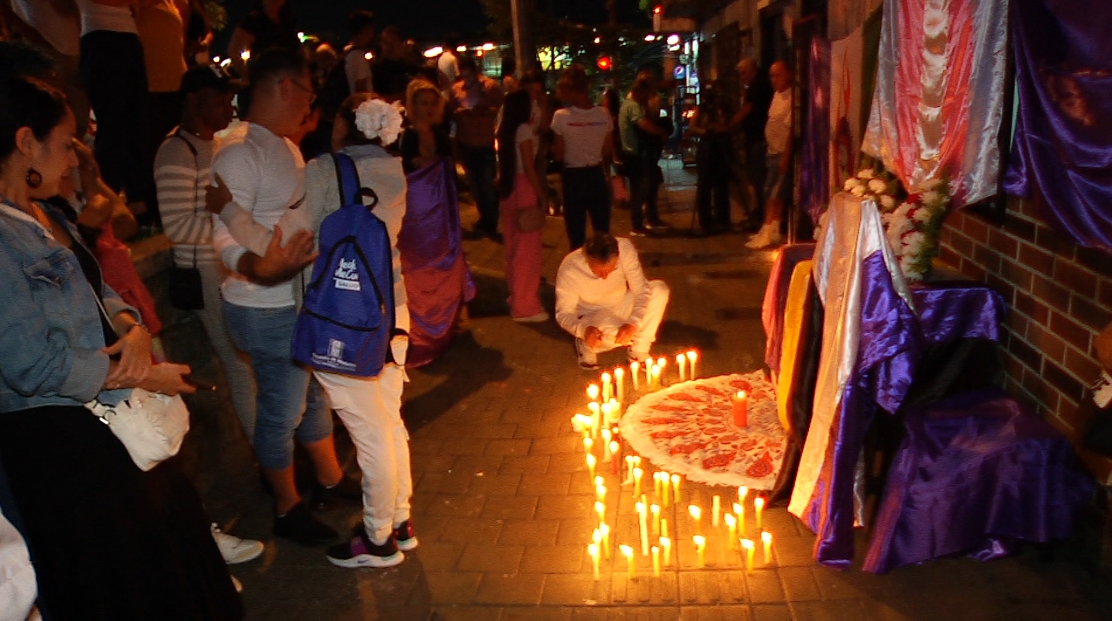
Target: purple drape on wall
437,280
1063,132
814,174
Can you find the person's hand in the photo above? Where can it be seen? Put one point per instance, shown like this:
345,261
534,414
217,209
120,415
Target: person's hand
592,336
166,378
134,349
86,161
625,334
280,263
217,196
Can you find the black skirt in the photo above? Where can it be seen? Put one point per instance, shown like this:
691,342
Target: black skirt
108,541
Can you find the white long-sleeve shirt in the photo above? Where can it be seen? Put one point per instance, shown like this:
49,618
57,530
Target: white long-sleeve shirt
579,291
266,176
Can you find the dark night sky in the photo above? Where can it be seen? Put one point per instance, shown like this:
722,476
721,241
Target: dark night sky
427,20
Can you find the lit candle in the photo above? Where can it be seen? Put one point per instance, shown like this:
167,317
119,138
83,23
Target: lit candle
615,449
643,525
739,511
591,462
648,374
758,508
619,383
747,546
656,562
740,408
604,530
629,468
766,539
693,356
615,412
664,527
656,484
592,549
715,509
607,387
634,374
600,492
664,492
731,529
700,550
588,444
681,362
628,553
662,362
600,509
606,445
655,374
637,474
696,515
742,492
676,487
576,424
666,548
592,392
655,510
596,421
604,417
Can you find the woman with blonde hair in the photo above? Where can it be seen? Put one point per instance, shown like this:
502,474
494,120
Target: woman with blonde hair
437,278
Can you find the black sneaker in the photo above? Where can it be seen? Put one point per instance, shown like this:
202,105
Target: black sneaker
404,535
361,552
347,492
299,525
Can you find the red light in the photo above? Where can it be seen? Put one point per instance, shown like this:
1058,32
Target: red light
604,63
656,10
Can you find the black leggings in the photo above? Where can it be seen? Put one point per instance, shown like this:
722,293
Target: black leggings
585,193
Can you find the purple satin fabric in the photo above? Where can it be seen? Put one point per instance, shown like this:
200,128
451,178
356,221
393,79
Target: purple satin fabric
950,311
975,474
776,298
814,169
437,280
886,360
1063,133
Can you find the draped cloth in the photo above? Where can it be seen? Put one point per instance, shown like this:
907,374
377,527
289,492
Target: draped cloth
870,345
773,306
1063,130
437,280
939,94
814,168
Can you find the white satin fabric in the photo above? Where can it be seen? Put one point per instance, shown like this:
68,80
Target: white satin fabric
852,233
939,92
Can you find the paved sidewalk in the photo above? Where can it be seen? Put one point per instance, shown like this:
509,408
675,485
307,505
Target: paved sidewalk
504,505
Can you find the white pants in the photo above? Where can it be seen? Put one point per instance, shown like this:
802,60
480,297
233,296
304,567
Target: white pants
370,408
609,319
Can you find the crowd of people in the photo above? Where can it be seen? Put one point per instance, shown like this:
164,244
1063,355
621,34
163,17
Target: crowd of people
242,198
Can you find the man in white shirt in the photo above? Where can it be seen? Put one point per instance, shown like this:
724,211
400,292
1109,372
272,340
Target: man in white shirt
778,136
262,172
604,300
357,68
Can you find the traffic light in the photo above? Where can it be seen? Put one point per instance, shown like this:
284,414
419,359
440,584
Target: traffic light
604,63
658,12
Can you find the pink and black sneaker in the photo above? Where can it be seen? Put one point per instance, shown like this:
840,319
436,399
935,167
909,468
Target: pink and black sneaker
404,535
361,552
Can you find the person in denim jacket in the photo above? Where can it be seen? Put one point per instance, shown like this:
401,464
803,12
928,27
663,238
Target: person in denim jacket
107,540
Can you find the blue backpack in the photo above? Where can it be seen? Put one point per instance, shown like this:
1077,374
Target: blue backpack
347,319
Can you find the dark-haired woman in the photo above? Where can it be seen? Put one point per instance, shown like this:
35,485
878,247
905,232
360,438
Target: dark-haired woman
108,540
522,207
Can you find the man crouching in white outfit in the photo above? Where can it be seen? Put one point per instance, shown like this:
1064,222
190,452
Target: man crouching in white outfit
604,300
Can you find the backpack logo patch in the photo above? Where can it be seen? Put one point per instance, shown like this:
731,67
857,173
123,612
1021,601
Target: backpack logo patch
346,276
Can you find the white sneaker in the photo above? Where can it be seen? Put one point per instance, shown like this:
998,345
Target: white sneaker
540,317
769,235
588,360
236,550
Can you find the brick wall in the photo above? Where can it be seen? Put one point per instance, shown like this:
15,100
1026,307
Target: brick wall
1059,296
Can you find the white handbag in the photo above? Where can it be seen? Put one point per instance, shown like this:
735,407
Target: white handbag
150,425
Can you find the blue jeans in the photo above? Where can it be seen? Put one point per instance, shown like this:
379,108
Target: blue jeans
482,167
264,334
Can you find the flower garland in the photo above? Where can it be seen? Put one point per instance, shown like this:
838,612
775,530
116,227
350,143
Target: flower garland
911,221
379,119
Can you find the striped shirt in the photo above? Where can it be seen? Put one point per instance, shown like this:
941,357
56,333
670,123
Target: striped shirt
181,172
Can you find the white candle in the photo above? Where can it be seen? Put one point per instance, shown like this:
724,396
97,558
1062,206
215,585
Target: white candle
615,412
607,387
758,508
628,553
592,392
662,363
696,515
591,462
605,445
588,444
676,487
692,357
742,492
739,511
643,525
592,549
637,474
604,530
655,510
656,562
666,546
634,374
629,467
664,527
600,491
700,550
715,509
665,493
600,509
619,383
655,375
747,546
614,448
681,362
766,539
648,373
731,530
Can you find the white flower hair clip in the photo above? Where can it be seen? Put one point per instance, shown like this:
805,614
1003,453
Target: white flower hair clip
378,119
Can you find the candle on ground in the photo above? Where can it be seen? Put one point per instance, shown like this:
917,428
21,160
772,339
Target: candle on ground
676,487
731,530
628,553
700,550
681,362
766,539
696,515
596,418
664,527
619,383
693,356
607,387
604,530
664,491
740,408
655,510
655,383
615,412
656,562
600,491
656,484
747,546
588,444
592,392
715,509
606,445
643,525
629,468
635,374
739,511
637,474
648,373
666,549
758,508
592,549
661,362
615,452
591,462
600,509
742,492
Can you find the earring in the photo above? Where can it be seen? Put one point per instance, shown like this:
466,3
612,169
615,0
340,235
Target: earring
34,178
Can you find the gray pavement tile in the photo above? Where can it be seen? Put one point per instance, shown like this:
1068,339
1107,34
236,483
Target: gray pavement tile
509,507
510,589
453,587
557,507
471,530
555,559
463,445
849,610
438,556
490,558
546,484
542,613
538,429
799,584
576,531
774,612
445,505
714,613
764,587
557,446
531,533
474,464
515,464
432,463
494,484
508,447
574,590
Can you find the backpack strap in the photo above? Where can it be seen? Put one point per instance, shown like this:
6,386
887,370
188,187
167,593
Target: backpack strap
347,179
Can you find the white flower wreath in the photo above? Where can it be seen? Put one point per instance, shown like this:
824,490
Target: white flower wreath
378,119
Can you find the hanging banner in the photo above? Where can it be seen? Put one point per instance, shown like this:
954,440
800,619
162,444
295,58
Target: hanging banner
939,94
